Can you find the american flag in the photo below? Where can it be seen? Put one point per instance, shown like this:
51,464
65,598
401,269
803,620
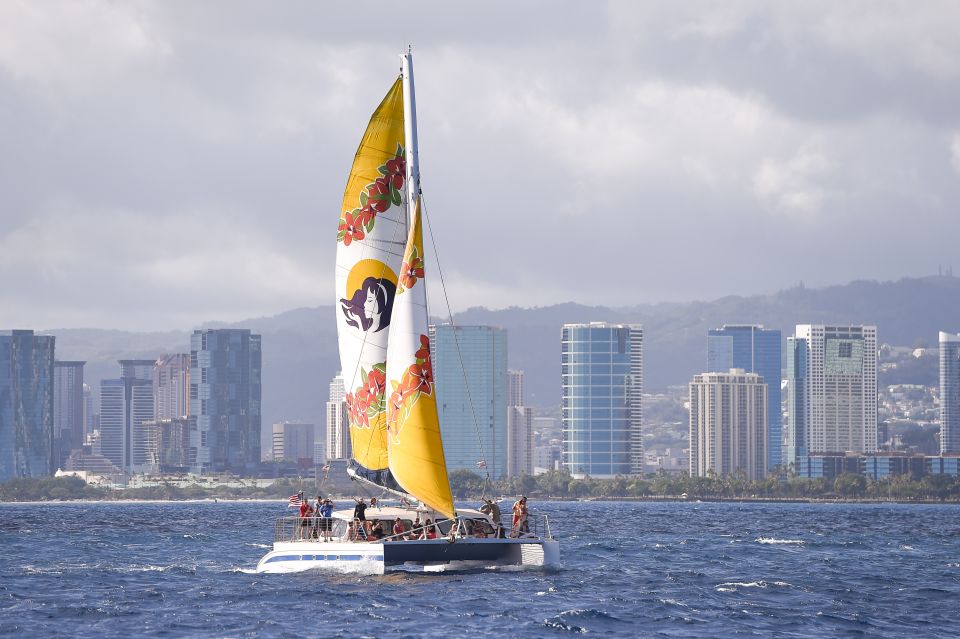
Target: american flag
326,468
294,500
482,463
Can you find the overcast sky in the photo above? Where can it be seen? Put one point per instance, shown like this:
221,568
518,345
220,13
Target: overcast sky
168,163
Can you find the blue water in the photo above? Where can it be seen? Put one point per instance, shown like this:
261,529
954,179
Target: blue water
630,569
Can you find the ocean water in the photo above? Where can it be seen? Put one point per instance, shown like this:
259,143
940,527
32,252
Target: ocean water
629,569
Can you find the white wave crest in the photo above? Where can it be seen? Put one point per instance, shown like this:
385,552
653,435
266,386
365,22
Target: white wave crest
771,540
733,586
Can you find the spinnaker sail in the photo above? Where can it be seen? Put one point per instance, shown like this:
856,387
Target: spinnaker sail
370,241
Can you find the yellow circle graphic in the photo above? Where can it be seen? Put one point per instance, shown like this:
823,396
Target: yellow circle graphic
368,268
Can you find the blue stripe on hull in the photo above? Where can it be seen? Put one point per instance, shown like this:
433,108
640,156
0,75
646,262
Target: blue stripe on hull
325,558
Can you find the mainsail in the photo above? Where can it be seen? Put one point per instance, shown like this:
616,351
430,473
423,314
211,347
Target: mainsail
370,240
413,428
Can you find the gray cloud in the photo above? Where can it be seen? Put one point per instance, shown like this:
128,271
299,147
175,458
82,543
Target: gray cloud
170,163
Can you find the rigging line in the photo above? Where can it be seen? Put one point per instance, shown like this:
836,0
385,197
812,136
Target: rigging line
456,340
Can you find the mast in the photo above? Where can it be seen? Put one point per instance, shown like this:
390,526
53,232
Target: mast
410,132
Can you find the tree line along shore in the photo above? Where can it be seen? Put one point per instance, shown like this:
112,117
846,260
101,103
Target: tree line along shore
551,485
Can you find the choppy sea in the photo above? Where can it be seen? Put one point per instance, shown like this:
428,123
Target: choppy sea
629,569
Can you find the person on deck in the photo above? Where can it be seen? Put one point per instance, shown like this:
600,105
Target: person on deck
326,522
360,510
520,514
430,531
491,508
306,511
399,528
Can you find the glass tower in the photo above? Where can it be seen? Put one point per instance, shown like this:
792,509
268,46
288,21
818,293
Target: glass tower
68,429
26,405
753,349
793,431
225,401
602,376
126,404
470,369
949,393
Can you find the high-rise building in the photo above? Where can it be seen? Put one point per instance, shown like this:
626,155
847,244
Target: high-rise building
225,387
68,427
470,369
519,428
88,412
171,386
338,424
125,405
602,375
795,419
167,445
832,387
515,388
294,441
728,414
26,404
519,441
754,349
949,393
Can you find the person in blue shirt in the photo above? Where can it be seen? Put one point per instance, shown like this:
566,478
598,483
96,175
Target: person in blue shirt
325,513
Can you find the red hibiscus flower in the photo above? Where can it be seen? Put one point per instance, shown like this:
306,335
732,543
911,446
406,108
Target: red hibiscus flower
417,378
366,215
396,171
351,229
410,272
376,382
423,353
378,195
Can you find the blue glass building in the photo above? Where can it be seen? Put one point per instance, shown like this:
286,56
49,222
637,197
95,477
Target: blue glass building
949,393
26,405
225,389
470,369
795,430
602,376
755,350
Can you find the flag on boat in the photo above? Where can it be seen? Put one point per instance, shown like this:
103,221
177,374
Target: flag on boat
482,464
326,468
294,500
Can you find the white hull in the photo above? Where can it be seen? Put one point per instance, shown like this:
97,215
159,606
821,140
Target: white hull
437,555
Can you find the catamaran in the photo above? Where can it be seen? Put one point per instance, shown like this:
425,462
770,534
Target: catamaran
391,394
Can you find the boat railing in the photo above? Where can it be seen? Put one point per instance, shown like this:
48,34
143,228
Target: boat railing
535,526
310,529
323,529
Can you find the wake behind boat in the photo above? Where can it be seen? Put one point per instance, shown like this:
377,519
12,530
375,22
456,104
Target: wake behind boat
391,395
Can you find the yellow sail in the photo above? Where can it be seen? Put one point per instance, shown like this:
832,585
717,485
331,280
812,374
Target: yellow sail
372,228
413,428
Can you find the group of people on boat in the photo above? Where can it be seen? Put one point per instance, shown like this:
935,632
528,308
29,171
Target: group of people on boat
316,520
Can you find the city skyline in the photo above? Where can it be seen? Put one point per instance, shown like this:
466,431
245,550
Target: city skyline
734,148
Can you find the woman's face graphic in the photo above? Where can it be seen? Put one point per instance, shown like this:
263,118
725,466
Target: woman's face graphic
370,305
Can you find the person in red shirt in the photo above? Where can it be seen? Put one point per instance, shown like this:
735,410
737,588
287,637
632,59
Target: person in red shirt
306,512
431,531
399,528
